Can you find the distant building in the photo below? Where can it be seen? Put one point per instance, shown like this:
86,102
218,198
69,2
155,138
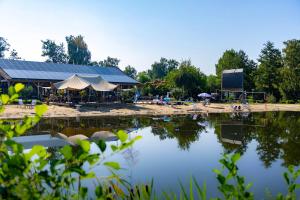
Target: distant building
43,74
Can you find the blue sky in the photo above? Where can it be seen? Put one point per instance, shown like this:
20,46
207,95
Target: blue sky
139,32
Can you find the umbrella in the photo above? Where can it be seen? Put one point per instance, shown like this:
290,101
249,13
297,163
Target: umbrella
204,95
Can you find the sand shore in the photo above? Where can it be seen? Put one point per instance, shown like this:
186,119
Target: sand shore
13,111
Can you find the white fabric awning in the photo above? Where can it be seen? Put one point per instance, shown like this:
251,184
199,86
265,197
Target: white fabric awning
77,82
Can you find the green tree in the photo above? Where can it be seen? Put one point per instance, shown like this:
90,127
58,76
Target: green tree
160,69
290,73
213,83
143,77
110,62
130,71
232,59
14,55
4,46
267,77
78,50
187,77
54,52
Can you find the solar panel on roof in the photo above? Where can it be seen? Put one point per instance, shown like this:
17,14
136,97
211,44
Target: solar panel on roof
17,69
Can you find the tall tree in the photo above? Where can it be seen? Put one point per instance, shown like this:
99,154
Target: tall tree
54,52
4,46
130,71
232,59
290,73
143,77
78,50
160,69
110,62
187,77
14,55
212,83
270,63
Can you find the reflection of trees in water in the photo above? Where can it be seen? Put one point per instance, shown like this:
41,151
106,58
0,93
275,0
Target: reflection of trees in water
268,139
280,138
277,135
184,129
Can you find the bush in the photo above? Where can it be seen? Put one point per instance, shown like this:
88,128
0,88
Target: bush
271,99
128,96
250,99
177,93
287,101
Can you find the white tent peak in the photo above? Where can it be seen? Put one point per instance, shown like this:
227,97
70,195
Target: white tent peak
78,82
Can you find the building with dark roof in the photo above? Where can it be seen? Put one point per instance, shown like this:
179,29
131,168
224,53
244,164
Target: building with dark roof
24,71
43,74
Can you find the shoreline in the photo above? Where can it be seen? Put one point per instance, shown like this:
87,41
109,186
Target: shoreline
119,110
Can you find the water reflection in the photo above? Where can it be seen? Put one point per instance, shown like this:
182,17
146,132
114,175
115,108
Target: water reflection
276,133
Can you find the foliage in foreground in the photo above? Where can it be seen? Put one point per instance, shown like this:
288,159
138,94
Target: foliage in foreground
40,174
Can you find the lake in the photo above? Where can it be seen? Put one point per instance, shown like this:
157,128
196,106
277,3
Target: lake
176,148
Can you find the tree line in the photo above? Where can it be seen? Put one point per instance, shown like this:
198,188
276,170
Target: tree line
276,72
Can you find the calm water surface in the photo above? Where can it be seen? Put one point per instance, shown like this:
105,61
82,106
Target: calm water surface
179,147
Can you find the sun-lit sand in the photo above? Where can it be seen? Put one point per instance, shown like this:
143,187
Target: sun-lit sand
13,111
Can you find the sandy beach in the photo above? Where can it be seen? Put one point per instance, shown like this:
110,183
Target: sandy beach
13,111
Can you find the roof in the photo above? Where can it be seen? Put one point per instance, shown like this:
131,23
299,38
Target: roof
31,70
77,82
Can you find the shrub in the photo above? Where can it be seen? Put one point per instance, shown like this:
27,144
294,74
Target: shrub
127,96
250,99
271,99
177,93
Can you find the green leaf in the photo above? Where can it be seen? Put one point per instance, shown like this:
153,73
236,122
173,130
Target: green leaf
38,150
137,138
291,169
1,109
183,191
248,186
221,179
216,171
17,148
191,190
88,175
11,91
102,145
85,145
235,157
21,129
122,135
99,191
4,98
83,192
113,165
14,96
286,177
19,87
40,109
67,151
113,147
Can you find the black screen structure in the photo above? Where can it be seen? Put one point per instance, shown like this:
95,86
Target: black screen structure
232,80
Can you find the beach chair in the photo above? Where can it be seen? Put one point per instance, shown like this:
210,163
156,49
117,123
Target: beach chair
20,103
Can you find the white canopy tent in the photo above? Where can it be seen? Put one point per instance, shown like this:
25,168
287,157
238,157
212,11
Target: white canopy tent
77,82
